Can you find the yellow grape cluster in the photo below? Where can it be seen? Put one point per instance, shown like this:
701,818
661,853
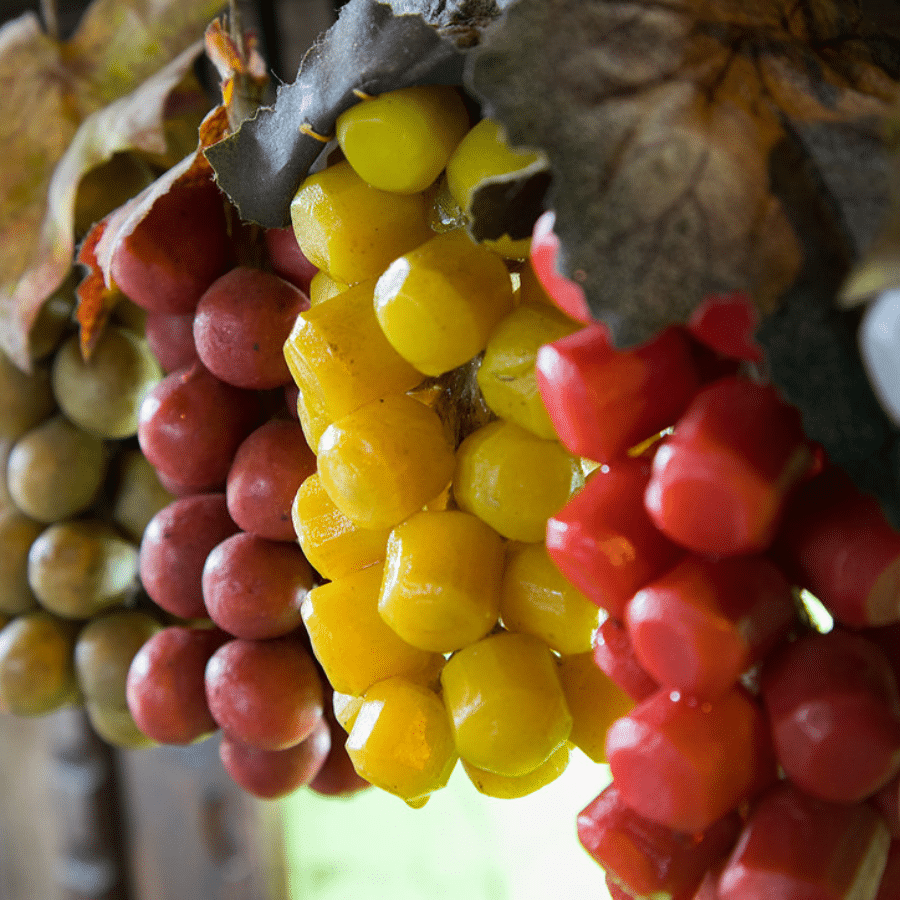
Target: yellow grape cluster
444,627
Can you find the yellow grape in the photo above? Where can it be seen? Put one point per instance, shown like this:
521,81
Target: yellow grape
509,787
332,544
401,140
351,641
340,360
507,705
385,461
595,702
537,599
438,304
507,373
514,480
352,230
441,586
401,740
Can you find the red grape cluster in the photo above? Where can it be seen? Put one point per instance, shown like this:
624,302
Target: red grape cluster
223,558
762,759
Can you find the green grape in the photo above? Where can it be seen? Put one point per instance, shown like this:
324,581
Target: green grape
80,567
103,654
53,321
104,394
129,315
117,726
56,470
26,399
17,534
37,672
138,494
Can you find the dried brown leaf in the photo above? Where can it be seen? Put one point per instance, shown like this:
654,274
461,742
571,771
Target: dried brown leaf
660,120
66,107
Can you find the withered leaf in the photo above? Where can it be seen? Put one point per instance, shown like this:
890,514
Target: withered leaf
373,47
67,107
699,147
659,120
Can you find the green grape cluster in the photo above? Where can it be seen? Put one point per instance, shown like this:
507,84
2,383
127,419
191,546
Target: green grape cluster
443,626
75,496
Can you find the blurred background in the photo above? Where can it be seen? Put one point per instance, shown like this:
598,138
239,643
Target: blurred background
80,821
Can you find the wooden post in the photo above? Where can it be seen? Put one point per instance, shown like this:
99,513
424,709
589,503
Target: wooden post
91,860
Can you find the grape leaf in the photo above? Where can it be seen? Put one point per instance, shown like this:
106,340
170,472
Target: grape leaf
659,119
66,107
699,147
373,47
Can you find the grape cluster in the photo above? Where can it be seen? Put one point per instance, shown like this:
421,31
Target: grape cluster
75,496
444,627
219,558
763,756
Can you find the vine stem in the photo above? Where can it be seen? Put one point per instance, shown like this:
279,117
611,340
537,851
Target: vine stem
50,15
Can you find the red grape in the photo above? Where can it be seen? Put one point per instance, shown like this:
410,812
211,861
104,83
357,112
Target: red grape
566,294
338,776
648,859
699,626
834,711
719,483
241,324
614,655
685,764
266,694
836,542
603,401
165,687
603,541
268,468
726,323
269,774
253,588
171,339
796,846
288,260
176,251
174,548
191,424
